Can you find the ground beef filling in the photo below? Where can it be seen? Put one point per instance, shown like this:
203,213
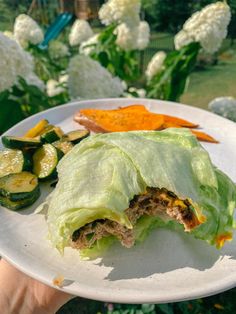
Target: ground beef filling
155,202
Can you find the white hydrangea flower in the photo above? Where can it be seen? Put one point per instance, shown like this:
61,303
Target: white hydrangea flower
182,39
143,35
63,79
80,32
122,11
155,65
141,92
126,37
131,38
27,30
58,50
88,79
224,106
54,88
33,79
88,46
208,27
9,34
14,62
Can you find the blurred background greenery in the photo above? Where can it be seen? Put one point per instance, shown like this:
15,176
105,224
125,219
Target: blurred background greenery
214,76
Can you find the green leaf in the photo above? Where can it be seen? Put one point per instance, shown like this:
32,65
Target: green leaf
169,84
119,62
103,58
4,95
165,308
18,92
10,114
148,308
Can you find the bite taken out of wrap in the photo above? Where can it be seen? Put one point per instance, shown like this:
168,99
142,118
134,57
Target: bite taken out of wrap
121,185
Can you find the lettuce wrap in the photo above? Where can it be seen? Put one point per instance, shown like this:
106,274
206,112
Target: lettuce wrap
121,185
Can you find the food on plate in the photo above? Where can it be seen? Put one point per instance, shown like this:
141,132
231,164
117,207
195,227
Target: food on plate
201,136
131,118
121,185
118,120
31,157
18,190
76,136
58,281
45,160
13,161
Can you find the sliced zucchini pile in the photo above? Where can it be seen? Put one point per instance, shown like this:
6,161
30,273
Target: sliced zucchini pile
31,158
19,190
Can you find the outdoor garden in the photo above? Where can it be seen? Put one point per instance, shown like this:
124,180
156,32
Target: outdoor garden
54,52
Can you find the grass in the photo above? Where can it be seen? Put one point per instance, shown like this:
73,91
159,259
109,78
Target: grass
214,81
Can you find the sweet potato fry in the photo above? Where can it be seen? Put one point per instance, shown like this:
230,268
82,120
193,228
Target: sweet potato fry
132,118
181,122
201,136
134,108
119,120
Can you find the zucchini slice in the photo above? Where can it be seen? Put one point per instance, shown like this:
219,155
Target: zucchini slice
20,142
19,186
77,136
45,161
63,145
16,205
51,135
13,161
37,129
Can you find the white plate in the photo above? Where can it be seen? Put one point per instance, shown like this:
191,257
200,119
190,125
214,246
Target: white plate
167,267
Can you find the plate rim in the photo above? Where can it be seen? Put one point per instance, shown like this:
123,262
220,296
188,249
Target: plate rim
101,296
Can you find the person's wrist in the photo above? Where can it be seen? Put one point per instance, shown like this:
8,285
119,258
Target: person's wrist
47,299
21,294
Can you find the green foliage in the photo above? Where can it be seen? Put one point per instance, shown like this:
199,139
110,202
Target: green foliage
170,15
45,66
232,25
8,12
169,84
119,62
167,15
22,101
224,303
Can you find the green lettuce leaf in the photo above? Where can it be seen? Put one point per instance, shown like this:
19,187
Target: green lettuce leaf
100,175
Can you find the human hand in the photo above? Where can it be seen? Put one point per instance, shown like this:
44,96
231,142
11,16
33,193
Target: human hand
21,294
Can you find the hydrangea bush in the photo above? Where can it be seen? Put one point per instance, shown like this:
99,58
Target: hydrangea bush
105,64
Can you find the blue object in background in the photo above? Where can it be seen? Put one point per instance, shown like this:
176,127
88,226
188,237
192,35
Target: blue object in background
55,28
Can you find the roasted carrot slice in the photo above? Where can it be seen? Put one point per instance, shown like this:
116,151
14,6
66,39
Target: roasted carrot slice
179,121
201,136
